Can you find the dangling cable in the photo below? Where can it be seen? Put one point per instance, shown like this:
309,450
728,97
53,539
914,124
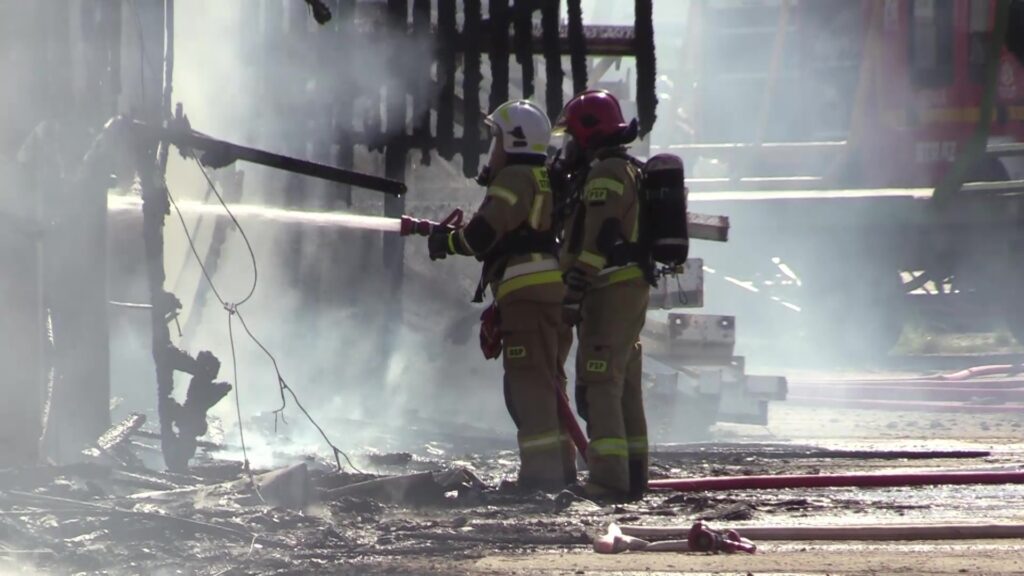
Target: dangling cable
233,310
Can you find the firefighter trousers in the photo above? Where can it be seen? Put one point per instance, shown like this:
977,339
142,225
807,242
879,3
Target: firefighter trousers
609,393
535,346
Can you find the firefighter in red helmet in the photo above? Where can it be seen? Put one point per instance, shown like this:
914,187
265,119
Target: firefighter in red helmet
607,292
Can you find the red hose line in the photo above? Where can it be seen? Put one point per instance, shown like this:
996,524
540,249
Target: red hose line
877,532
1000,383
993,370
899,393
837,481
568,418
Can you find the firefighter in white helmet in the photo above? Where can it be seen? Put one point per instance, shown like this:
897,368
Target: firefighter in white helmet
512,234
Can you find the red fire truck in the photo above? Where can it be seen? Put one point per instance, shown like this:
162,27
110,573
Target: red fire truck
830,123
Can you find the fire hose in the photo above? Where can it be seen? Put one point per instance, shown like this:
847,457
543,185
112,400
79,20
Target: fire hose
699,538
489,334
837,481
876,532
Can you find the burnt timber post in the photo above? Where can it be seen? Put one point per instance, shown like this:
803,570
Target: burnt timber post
155,206
181,424
80,92
21,336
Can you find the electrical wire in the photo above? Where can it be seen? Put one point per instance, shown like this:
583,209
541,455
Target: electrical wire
234,220
233,311
232,308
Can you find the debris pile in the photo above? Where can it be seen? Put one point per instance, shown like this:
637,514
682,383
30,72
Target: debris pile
111,513
440,508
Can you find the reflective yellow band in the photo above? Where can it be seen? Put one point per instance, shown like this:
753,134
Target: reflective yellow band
541,176
540,442
462,240
610,447
628,273
637,444
606,184
538,206
518,282
538,263
595,260
503,193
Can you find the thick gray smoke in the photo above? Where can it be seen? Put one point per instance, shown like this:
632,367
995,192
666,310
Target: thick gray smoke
363,362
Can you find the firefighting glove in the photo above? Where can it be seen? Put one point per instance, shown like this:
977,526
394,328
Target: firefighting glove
439,244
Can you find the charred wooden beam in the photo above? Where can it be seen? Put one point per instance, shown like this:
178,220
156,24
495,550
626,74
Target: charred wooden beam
646,95
446,36
577,47
552,57
421,100
524,42
155,206
471,79
397,149
219,153
117,435
499,53
604,40
321,12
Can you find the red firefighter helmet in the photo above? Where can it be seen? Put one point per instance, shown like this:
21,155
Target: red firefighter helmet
594,118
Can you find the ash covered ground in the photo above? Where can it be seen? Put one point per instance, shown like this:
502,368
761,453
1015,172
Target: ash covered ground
436,505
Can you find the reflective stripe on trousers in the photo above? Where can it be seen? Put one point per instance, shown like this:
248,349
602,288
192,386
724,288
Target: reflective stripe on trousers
540,442
546,265
610,447
617,274
637,445
509,286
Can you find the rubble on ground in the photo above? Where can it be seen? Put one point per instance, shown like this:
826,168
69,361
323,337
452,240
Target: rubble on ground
427,508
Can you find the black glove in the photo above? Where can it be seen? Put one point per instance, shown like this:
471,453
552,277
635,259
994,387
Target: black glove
439,244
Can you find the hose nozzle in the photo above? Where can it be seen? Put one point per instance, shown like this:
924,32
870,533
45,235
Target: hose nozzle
420,227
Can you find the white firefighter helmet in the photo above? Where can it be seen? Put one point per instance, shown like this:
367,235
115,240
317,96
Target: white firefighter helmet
523,128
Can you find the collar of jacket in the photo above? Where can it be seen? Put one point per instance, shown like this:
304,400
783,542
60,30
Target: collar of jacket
526,159
606,153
